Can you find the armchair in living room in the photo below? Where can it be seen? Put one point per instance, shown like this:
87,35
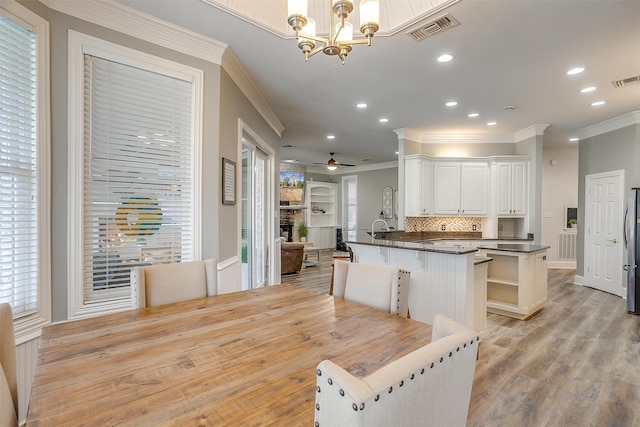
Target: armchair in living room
291,255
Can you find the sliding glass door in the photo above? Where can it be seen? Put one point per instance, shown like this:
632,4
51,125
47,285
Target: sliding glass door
254,216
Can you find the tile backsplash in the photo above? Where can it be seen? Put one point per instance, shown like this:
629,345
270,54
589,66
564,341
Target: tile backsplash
437,223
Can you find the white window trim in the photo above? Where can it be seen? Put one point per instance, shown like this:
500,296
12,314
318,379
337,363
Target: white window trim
29,327
79,45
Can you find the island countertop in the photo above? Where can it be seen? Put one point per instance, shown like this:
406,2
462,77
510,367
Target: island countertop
425,241
425,246
510,247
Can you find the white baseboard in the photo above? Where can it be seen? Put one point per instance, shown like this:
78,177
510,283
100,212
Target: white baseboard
578,280
565,265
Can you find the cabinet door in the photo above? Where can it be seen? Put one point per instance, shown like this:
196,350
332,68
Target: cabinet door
446,188
418,187
503,188
413,187
426,193
519,189
473,189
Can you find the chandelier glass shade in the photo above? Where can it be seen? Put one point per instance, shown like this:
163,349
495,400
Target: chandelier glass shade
340,40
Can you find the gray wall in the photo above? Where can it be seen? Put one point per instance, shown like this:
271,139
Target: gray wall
616,150
220,128
233,106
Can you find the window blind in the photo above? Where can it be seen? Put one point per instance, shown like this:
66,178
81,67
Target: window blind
138,174
18,169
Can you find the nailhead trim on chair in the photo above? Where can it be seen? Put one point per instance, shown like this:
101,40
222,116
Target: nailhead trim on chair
401,383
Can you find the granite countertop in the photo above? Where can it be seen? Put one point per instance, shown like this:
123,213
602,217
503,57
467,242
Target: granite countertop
510,247
416,246
424,240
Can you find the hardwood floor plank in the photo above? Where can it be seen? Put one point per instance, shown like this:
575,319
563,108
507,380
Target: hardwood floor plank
575,363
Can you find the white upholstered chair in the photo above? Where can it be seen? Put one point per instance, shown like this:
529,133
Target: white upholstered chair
428,387
8,372
382,287
166,283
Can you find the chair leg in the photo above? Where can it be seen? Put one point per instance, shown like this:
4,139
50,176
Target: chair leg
331,285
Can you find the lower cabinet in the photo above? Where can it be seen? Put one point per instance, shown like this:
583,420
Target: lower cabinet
516,282
323,237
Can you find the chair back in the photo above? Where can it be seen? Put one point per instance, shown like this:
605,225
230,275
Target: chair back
166,283
429,387
8,370
382,287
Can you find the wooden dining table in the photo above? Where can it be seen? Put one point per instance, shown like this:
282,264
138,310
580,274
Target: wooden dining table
241,359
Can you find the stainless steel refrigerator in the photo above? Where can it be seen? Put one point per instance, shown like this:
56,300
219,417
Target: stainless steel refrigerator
632,243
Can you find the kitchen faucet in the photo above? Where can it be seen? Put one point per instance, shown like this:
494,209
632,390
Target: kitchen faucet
386,226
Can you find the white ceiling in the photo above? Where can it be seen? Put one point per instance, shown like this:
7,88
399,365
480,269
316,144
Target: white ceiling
513,52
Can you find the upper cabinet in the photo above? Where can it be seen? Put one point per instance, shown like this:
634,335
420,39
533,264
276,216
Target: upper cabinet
321,204
460,188
418,186
511,188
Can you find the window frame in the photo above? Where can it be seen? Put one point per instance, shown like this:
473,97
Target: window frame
28,327
79,45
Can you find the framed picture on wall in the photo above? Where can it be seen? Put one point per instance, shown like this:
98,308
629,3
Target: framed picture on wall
228,182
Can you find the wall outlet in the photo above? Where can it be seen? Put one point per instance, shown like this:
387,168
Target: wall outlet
443,227
474,227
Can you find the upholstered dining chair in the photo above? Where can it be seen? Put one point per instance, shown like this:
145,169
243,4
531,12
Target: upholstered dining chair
382,287
429,387
166,283
8,372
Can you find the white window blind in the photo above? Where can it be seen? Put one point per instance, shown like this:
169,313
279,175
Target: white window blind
18,168
138,173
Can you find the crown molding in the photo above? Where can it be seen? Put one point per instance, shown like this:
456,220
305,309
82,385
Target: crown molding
126,20
479,138
628,119
239,75
529,132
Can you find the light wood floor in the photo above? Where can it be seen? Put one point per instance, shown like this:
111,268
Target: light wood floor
576,363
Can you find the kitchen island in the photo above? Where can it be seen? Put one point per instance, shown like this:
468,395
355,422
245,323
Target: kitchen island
517,279
443,278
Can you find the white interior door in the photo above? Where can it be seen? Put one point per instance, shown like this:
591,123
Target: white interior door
603,227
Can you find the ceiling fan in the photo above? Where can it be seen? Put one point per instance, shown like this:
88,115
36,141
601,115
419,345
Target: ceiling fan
333,164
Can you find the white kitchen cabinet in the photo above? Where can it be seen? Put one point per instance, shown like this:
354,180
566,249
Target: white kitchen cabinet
460,188
323,237
511,188
418,185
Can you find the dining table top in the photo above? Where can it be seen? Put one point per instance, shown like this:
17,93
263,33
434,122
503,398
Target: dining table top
245,359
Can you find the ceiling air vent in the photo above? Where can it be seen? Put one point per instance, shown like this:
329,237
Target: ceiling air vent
433,27
624,82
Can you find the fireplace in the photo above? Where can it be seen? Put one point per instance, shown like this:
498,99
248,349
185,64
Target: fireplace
286,230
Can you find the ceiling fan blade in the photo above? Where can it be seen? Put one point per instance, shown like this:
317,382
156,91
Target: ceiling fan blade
343,164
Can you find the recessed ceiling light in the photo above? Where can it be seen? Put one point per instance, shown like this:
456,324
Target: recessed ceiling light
451,104
397,152
383,120
331,137
576,70
445,58
361,105
290,161
588,89
491,123
574,139
472,115
598,103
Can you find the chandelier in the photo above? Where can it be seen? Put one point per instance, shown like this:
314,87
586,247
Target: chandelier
340,40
